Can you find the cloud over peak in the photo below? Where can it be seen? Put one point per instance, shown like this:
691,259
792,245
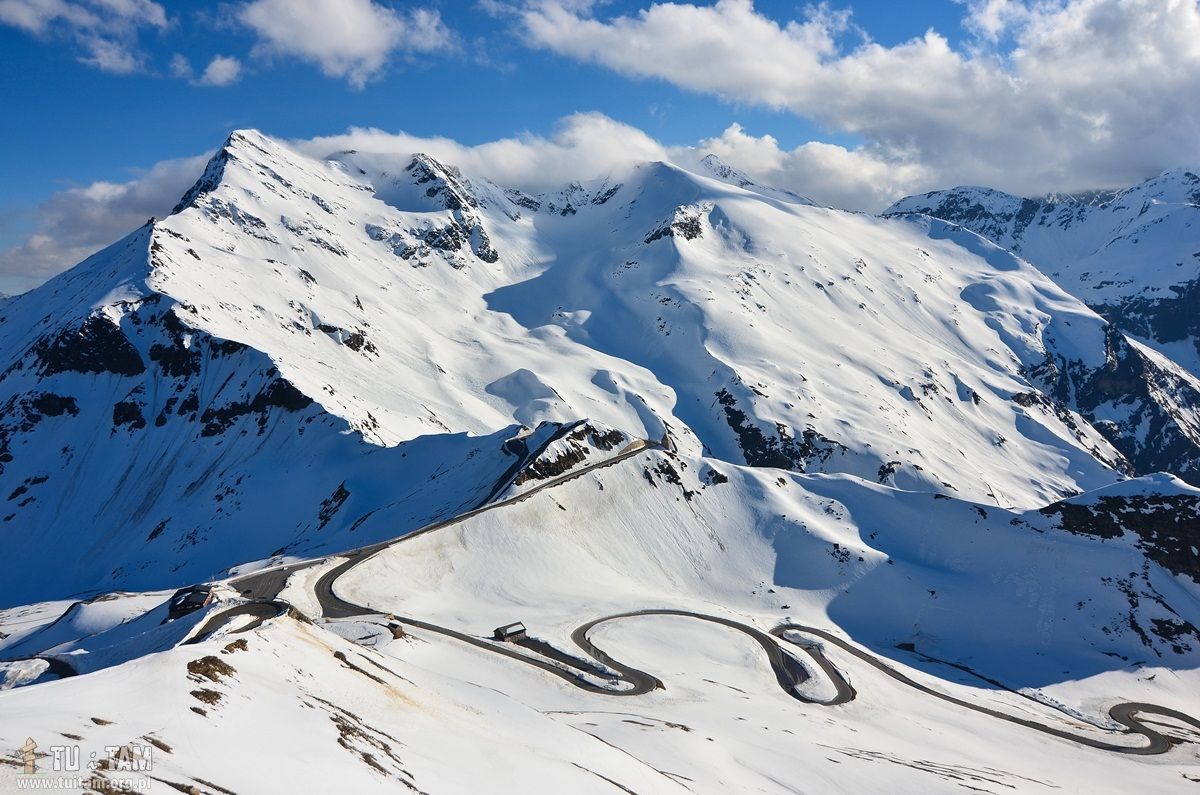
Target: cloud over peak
1084,92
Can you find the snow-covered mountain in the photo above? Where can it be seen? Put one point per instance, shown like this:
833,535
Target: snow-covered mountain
1132,255
658,390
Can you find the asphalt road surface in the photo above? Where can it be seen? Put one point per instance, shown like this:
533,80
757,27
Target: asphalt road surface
788,672
1124,713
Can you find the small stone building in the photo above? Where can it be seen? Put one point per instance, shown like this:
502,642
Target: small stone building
510,632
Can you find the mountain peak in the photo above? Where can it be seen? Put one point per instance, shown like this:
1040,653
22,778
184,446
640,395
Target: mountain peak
713,166
718,168
247,144
444,183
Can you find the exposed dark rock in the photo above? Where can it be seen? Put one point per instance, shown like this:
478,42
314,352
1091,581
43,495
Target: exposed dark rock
52,405
217,209
671,475
605,441
780,449
544,468
176,361
22,413
183,354
357,341
604,196
1152,406
443,183
158,530
208,182
523,200
97,346
577,451
686,225
1176,632
1167,526
1168,319
212,668
278,394
688,228
963,208
128,412
448,186
449,238
218,348
189,405
23,489
354,340
332,504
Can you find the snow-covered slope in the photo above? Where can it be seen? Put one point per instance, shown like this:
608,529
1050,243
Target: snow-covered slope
245,377
659,390
1132,255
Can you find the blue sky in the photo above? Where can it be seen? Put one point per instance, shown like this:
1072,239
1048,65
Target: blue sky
848,100
74,123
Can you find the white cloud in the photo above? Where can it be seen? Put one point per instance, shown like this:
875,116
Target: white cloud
587,145
105,31
351,39
827,173
991,19
582,146
146,11
76,222
181,67
1088,93
109,55
36,16
222,70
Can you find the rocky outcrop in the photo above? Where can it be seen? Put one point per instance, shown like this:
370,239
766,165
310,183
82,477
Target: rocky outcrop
780,447
448,187
1146,408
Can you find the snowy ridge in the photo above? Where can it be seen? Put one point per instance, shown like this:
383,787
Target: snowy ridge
313,311
726,173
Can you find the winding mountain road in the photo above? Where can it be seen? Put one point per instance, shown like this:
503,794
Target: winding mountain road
599,672
1125,713
265,584
789,672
